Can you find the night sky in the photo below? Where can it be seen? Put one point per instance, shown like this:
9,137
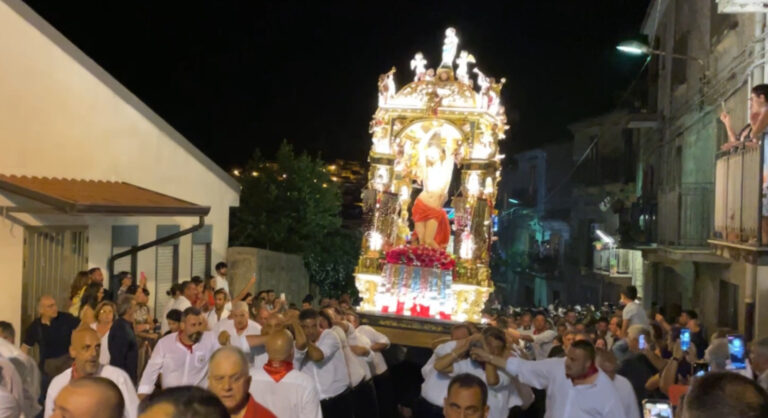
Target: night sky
233,77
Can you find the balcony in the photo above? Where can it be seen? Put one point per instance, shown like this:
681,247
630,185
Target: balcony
615,262
739,185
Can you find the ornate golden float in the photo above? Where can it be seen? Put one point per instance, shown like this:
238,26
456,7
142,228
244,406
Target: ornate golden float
441,122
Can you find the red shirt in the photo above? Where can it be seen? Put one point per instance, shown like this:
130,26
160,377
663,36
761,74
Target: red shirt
256,410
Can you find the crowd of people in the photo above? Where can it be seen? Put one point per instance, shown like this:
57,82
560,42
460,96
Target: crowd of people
211,354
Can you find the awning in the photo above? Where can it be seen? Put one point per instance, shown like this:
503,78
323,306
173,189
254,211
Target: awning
91,197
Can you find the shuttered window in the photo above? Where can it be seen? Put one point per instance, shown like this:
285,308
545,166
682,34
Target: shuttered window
201,252
166,266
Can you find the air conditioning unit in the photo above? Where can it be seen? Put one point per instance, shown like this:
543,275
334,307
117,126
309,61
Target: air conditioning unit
742,6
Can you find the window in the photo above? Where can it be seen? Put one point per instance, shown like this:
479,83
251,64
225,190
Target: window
166,265
680,66
201,251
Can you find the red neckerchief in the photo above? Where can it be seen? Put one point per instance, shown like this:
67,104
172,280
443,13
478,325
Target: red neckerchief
256,410
591,371
188,347
74,372
278,370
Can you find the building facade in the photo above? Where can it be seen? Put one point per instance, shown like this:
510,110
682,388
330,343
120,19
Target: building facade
71,135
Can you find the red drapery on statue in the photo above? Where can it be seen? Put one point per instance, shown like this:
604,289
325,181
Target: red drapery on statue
422,212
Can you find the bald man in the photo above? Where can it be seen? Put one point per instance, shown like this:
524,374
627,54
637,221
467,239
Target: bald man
606,361
285,391
239,326
228,379
89,397
85,349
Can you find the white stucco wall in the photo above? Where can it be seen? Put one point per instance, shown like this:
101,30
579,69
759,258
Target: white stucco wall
63,116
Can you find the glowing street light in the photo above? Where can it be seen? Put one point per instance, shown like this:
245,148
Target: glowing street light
639,48
607,239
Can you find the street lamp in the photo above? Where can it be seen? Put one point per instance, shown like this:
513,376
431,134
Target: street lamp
639,48
607,239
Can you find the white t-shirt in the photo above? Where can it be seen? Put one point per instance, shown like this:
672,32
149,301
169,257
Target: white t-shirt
542,343
9,405
379,364
498,396
626,396
236,340
178,365
597,400
294,396
634,314
358,339
355,370
116,375
435,386
330,375
214,319
222,283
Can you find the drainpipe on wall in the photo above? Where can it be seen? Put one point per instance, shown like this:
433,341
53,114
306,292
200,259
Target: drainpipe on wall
154,243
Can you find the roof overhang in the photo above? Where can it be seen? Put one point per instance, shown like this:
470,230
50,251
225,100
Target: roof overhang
89,197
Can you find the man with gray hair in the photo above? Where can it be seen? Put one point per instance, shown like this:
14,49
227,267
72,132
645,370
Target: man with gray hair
237,328
229,380
758,359
91,397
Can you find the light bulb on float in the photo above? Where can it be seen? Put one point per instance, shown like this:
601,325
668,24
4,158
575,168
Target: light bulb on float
375,241
473,185
488,187
467,247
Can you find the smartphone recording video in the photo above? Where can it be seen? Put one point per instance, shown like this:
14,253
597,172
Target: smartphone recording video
656,408
700,368
685,339
641,343
738,352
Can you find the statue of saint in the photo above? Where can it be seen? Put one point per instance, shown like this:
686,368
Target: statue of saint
462,71
449,48
431,226
418,64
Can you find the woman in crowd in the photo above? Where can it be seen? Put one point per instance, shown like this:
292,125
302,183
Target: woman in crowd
76,291
105,316
92,296
174,292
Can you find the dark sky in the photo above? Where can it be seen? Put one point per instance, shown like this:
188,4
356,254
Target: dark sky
232,76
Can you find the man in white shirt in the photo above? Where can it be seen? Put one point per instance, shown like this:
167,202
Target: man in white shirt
382,380
220,280
239,327
606,361
363,391
467,396
188,294
282,389
84,348
219,311
325,363
435,386
9,405
633,313
575,387
542,338
182,357
229,380
91,397
458,362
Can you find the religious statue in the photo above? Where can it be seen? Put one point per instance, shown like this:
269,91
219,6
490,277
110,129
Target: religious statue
417,65
494,94
449,47
484,83
386,86
465,58
431,225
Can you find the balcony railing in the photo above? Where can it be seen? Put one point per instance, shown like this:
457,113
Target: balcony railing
739,185
614,262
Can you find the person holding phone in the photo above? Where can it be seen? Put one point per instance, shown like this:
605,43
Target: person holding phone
638,367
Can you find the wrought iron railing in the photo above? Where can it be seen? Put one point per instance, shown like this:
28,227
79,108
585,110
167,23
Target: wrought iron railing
739,194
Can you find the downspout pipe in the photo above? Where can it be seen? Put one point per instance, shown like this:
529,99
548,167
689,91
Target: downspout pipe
154,243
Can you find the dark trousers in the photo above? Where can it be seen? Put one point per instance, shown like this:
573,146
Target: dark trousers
387,406
425,409
364,399
340,406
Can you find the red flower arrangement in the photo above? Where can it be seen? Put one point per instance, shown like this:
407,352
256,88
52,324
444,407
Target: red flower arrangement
420,256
